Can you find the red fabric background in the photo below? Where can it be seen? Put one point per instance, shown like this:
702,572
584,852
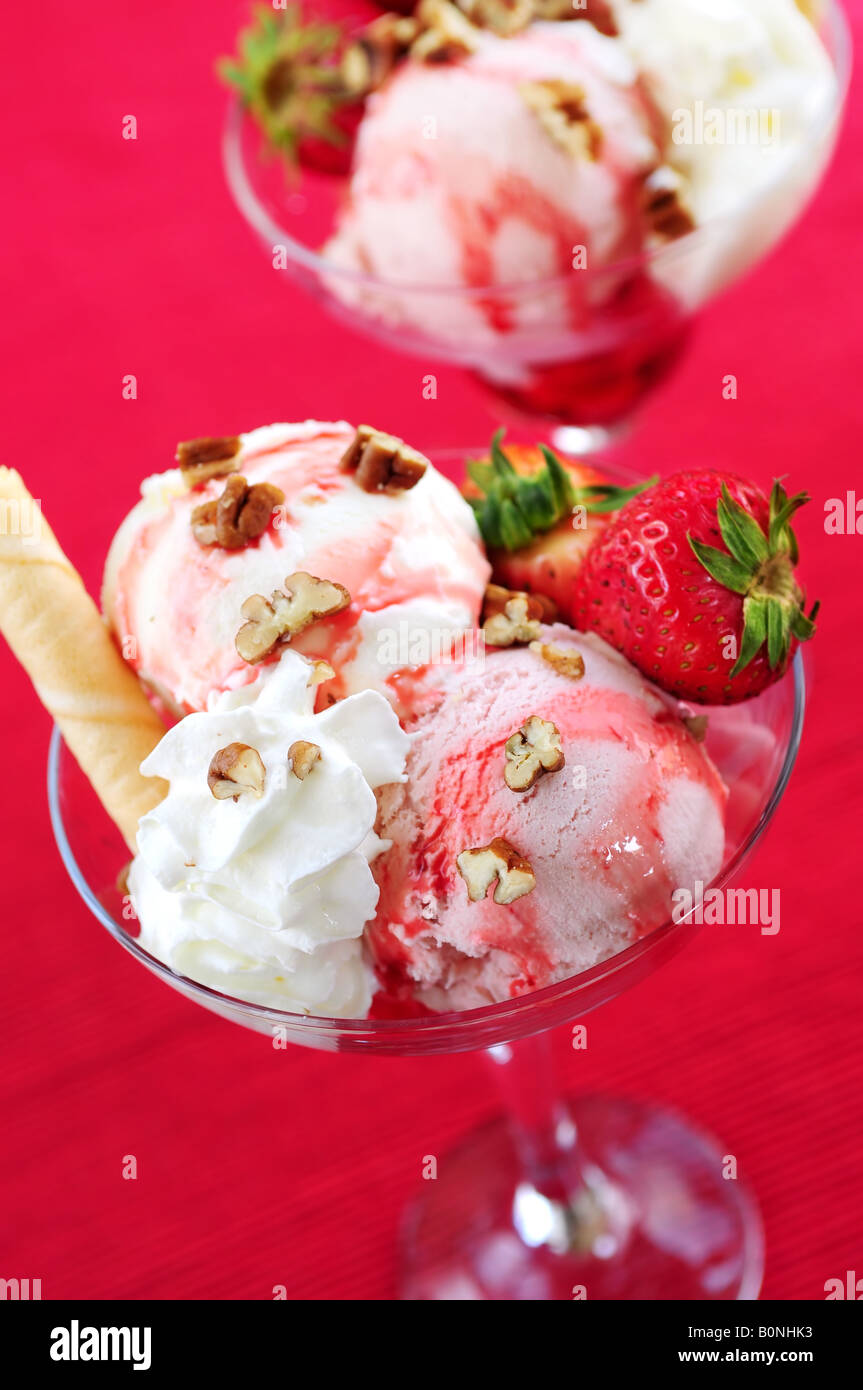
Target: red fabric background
256,1167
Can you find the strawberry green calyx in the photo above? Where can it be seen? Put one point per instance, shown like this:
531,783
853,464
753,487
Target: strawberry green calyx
516,507
286,75
760,567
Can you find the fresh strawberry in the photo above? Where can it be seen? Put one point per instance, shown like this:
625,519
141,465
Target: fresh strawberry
333,155
539,515
694,582
287,73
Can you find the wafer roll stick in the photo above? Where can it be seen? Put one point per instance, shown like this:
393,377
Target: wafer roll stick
55,630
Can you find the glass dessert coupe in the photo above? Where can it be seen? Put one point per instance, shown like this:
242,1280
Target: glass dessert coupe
583,377
620,1201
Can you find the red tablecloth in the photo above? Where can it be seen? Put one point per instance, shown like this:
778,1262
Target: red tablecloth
258,1167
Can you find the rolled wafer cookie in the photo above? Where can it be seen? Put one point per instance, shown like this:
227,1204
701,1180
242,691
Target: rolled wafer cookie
57,633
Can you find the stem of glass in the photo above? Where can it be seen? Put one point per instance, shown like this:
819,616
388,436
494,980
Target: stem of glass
544,1134
562,1201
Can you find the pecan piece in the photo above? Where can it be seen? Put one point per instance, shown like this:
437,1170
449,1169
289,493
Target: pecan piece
320,671
239,516
375,52
445,33
598,12
498,860
531,751
202,459
562,112
503,17
381,462
510,617
302,757
270,622
664,207
235,770
567,661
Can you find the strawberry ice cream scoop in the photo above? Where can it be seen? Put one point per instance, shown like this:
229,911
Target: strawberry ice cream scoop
464,175
635,812
411,561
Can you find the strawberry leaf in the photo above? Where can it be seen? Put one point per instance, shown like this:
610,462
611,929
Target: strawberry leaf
754,632
517,507
778,632
741,532
727,571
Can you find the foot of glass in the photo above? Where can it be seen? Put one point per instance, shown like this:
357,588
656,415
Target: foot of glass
648,1215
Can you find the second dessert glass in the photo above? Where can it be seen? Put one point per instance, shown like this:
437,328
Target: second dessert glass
582,372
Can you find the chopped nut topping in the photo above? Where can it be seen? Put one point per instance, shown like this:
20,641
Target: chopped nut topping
321,671
239,516
202,459
445,33
510,617
697,726
666,212
567,661
501,16
560,107
235,770
532,751
598,12
302,757
499,861
382,463
373,55
271,622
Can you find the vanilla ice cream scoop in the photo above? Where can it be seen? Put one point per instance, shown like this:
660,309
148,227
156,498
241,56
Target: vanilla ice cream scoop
741,83
252,875
591,851
411,561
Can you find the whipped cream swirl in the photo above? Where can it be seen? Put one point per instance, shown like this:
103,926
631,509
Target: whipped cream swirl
265,898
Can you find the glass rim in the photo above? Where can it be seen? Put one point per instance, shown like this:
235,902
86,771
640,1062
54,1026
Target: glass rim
425,1027
835,26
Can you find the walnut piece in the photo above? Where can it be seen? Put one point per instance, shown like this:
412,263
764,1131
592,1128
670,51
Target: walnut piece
320,671
664,208
567,661
271,622
381,462
375,52
202,459
499,861
532,751
239,516
235,770
510,617
598,12
503,17
302,757
445,33
562,112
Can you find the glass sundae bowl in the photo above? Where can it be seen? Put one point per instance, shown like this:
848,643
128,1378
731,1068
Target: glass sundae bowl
580,351
594,1198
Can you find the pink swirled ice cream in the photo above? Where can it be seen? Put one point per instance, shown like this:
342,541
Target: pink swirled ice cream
411,561
634,814
457,180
